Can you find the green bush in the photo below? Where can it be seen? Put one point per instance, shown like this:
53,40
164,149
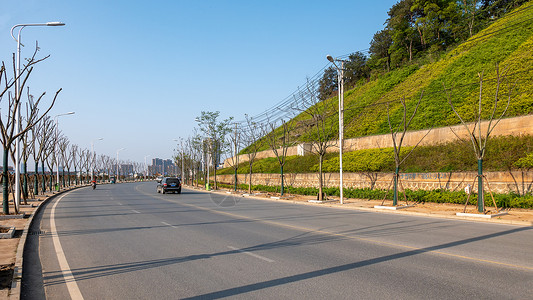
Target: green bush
418,196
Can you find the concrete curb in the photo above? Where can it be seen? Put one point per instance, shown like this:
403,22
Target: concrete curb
14,292
410,213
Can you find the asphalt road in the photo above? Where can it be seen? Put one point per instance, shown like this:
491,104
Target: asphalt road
125,241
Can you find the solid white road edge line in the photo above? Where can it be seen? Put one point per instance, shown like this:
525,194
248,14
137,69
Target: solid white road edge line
72,286
251,254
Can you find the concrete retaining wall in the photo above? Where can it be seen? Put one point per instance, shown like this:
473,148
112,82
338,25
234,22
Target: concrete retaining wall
500,182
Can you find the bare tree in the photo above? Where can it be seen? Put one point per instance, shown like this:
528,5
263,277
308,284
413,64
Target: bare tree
479,137
252,138
103,162
74,154
47,153
62,146
81,162
279,141
86,157
233,140
322,132
41,137
51,162
397,141
7,125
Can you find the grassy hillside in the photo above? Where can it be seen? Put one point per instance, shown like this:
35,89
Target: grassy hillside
508,42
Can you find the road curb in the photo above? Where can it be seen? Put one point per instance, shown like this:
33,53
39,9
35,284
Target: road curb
399,212
14,292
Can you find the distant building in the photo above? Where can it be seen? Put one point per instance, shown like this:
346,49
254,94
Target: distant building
163,167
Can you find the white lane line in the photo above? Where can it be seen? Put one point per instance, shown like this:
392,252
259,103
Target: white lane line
72,286
136,211
119,203
165,223
251,254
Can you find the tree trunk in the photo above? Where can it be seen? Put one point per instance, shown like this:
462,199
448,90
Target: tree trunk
25,182
51,186
215,172
410,50
44,177
235,188
250,180
36,181
395,193
5,191
320,183
480,196
282,185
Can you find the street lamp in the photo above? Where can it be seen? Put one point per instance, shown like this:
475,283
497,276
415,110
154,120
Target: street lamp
56,145
145,166
182,172
17,96
117,161
340,73
93,156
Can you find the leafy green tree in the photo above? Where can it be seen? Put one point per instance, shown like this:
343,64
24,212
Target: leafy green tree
403,33
492,9
431,18
215,132
379,50
327,85
356,68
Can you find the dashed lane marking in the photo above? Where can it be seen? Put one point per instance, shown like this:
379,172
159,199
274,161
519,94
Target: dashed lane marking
251,254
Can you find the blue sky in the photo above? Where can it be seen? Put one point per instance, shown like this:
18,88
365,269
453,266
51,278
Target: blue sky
138,73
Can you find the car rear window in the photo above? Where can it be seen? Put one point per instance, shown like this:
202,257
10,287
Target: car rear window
173,180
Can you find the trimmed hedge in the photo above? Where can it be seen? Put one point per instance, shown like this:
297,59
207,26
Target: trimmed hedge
419,196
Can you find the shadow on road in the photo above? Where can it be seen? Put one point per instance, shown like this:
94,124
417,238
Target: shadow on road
308,238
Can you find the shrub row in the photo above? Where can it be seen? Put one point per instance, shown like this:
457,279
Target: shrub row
419,196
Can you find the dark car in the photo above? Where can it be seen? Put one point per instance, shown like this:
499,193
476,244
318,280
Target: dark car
169,184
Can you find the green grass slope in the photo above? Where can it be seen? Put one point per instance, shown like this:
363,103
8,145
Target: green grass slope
507,43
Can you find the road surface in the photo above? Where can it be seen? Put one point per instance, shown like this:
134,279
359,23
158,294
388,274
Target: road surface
125,241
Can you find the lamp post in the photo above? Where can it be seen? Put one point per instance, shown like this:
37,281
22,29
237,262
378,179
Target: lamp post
340,72
17,96
207,161
145,167
182,155
117,162
56,146
93,157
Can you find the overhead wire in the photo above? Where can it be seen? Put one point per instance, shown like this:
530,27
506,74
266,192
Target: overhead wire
284,108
